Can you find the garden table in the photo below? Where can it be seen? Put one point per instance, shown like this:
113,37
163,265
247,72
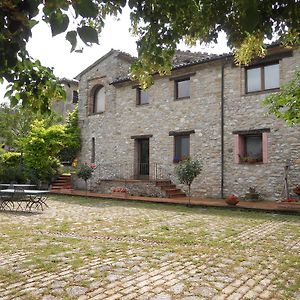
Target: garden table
32,198
21,185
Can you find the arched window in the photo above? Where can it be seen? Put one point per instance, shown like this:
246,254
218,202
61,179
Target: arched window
99,100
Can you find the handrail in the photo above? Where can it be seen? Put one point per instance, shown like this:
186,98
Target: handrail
151,171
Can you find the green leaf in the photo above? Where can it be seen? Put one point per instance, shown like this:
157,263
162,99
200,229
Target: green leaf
59,22
86,8
71,36
8,93
32,23
88,34
14,101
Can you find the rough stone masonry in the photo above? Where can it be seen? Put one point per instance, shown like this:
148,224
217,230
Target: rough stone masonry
200,113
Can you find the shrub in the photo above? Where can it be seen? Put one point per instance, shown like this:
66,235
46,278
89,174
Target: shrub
85,172
73,140
41,148
187,171
12,168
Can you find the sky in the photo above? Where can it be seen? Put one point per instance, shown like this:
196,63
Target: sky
55,51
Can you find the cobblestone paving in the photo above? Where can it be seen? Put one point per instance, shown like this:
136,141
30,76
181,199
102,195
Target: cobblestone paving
102,249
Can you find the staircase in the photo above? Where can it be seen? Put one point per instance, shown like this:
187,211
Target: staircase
170,189
63,182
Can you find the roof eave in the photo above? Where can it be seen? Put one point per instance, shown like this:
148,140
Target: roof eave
112,51
208,60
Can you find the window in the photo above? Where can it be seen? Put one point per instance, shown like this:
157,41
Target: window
262,78
181,147
251,147
99,100
182,88
75,97
142,97
93,151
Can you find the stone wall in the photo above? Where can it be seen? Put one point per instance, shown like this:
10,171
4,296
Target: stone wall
102,126
64,107
113,129
200,112
244,112
135,188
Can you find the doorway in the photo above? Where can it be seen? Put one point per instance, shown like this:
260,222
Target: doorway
142,158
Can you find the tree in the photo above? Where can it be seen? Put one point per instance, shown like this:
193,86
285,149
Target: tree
15,123
85,172
73,140
159,25
286,103
12,167
40,140
41,148
187,171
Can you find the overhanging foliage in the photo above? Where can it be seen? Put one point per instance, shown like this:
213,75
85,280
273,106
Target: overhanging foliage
159,25
286,103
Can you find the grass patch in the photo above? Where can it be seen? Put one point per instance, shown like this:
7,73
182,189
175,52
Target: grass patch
147,235
9,275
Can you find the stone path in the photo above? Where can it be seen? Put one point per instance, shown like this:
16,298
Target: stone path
87,249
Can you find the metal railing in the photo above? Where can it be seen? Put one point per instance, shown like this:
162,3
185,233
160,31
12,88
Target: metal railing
152,171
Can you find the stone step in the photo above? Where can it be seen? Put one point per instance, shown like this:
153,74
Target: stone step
169,186
178,195
63,182
163,182
172,190
59,179
61,187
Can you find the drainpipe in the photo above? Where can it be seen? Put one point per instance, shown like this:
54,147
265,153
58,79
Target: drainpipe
222,130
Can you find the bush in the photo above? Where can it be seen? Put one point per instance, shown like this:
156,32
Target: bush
73,140
12,168
41,148
85,172
187,171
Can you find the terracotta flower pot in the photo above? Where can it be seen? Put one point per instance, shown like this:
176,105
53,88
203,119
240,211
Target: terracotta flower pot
232,200
296,190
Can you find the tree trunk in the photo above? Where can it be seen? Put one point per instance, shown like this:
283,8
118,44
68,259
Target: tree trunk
189,195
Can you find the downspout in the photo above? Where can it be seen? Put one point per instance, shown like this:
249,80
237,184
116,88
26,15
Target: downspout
222,130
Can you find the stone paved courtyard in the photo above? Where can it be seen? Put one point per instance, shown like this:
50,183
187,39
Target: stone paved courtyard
102,249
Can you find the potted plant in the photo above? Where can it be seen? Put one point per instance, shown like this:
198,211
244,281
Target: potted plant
85,172
187,171
232,200
252,194
251,159
296,190
176,160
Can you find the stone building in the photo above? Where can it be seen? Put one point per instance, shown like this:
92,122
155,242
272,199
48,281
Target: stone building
64,107
207,108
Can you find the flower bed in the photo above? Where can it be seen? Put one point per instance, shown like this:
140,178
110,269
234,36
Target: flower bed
120,192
